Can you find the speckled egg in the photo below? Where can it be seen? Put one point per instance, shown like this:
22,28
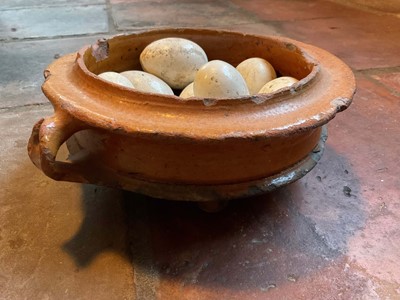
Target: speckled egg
174,60
218,79
256,72
277,84
187,92
117,78
147,82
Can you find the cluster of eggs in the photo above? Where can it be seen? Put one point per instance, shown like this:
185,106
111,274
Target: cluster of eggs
181,64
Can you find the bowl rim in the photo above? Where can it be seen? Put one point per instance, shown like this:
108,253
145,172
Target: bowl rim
257,98
76,90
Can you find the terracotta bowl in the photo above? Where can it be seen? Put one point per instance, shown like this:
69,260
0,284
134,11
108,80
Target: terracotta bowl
196,149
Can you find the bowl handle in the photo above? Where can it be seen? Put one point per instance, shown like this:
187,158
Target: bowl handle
46,139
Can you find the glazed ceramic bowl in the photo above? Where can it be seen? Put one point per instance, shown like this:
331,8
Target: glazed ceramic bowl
189,149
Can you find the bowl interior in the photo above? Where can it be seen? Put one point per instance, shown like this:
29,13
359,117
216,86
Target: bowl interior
121,53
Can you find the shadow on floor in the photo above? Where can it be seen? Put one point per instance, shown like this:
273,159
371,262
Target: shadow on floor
104,227
254,242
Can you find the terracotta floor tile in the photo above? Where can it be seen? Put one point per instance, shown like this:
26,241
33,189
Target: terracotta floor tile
387,6
278,10
364,42
253,28
369,135
52,21
23,64
147,14
363,39
57,240
155,2
332,234
12,4
390,79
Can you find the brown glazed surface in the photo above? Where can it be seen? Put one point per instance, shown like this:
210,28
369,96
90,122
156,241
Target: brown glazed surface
162,139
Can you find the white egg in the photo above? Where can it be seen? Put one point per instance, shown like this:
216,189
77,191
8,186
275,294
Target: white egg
277,84
218,79
187,92
174,60
117,78
147,82
256,72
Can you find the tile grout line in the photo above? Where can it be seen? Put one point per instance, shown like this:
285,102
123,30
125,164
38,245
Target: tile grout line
349,4
107,7
17,107
48,6
378,70
47,38
370,72
112,29
392,91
